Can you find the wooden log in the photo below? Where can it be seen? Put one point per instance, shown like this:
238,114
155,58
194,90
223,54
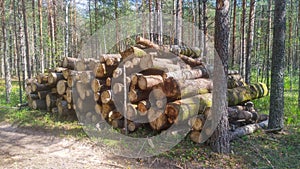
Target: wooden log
131,112
133,126
28,82
187,74
63,110
143,106
33,96
117,72
97,96
108,82
69,62
190,61
113,115
97,85
197,122
234,81
146,42
61,87
69,98
51,100
35,87
39,104
106,96
42,94
86,77
117,123
80,65
106,109
102,70
98,109
195,136
118,88
138,95
92,63
28,89
148,82
59,69
184,109
246,93
181,89
248,129
133,52
53,78
193,52
81,89
104,57
42,78
157,119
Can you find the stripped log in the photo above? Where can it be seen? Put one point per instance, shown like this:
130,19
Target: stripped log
190,61
104,57
248,129
146,42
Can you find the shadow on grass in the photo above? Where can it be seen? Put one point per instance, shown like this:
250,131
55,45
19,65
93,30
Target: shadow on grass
39,120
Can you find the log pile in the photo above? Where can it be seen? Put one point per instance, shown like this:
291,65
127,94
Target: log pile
145,85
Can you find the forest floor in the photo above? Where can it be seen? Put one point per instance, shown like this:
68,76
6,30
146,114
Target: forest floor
66,146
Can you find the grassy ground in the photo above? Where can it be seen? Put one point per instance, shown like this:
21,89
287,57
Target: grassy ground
259,150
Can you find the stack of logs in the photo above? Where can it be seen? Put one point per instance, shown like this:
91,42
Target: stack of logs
164,85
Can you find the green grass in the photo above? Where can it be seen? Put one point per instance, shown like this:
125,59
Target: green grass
259,150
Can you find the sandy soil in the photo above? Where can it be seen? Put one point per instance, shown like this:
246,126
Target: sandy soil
32,148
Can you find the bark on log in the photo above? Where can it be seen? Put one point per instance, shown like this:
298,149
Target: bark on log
146,42
148,82
138,95
69,62
181,89
186,74
184,109
190,61
248,129
53,78
39,104
51,100
63,110
246,93
42,78
133,52
104,57
42,94
35,87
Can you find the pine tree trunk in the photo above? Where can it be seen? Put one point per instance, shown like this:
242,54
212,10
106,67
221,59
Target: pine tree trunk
219,141
42,57
35,59
233,33
276,120
298,52
269,39
6,62
28,60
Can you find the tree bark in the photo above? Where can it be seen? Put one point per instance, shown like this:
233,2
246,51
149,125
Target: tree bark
233,33
250,36
219,140
41,35
277,82
28,58
6,62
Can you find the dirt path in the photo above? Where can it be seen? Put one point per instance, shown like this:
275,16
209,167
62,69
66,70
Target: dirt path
29,148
